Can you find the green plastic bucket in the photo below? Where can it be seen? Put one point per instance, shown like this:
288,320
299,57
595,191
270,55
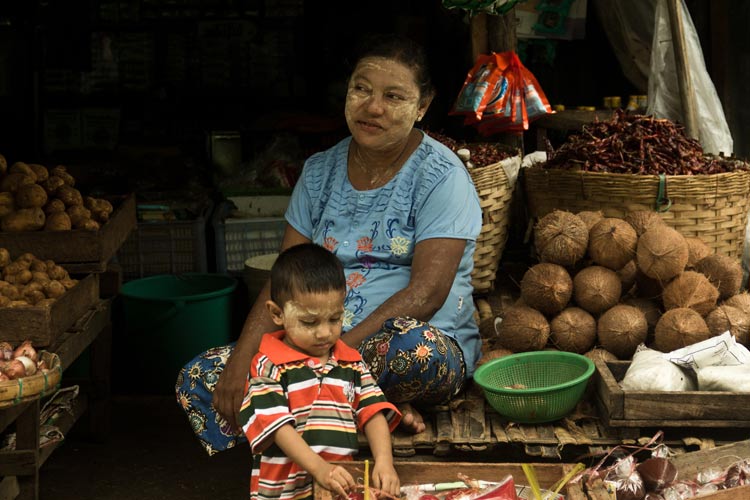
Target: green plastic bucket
168,320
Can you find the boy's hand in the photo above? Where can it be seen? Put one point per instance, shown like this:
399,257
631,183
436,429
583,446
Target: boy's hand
335,478
385,478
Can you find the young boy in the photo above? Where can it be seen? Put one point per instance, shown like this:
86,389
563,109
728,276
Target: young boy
308,392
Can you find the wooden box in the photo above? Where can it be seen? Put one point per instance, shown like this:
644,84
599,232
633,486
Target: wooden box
42,325
440,472
690,464
619,408
78,251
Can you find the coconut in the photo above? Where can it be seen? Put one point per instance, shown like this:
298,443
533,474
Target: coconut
627,276
561,238
733,319
723,271
621,329
546,287
596,289
650,309
697,250
573,330
590,217
678,328
523,329
646,287
740,301
643,220
662,253
612,243
692,290
493,354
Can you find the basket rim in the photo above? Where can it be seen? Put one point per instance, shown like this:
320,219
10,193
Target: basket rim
541,356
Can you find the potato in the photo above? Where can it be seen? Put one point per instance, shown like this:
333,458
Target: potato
28,257
69,195
100,216
58,169
89,225
39,277
58,221
61,172
54,205
15,267
38,266
30,196
52,184
33,297
105,205
20,278
45,303
78,214
24,219
3,165
68,283
56,272
90,202
20,303
54,289
4,257
4,301
7,199
12,182
22,168
42,174
11,291
31,286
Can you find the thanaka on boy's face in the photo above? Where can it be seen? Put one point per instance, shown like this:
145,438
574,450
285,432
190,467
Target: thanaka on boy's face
312,321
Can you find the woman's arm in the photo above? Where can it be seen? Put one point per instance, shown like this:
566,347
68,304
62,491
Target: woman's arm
230,388
433,271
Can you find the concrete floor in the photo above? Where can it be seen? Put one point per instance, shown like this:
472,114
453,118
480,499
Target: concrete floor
151,454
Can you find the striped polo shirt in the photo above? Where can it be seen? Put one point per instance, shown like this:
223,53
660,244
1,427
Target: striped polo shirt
327,404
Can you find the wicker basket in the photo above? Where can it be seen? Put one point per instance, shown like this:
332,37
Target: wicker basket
495,195
711,207
42,383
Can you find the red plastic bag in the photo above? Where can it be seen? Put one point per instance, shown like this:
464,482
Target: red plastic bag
478,87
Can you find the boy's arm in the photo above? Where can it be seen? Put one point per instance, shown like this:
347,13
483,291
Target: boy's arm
334,478
384,476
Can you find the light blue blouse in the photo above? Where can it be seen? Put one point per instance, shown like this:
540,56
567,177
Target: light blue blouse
373,232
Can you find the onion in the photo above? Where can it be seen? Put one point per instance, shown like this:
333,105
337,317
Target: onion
3,377
15,369
6,351
28,364
25,349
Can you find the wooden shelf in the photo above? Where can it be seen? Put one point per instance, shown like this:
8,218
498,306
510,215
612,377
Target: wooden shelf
93,330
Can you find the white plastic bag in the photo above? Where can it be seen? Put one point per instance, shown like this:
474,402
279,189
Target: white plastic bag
649,371
724,378
663,88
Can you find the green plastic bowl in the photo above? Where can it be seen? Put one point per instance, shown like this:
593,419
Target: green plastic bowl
535,387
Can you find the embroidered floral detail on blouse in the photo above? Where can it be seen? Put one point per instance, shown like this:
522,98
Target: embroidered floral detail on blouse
399,245
422,353
429,335
354,280
367,261
364,244
330,243
405,323
382,348
348,317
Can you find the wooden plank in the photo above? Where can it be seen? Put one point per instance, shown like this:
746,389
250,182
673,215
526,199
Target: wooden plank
78,245
682,66
71,344
414,472
690,464
497,427
479,41
42,325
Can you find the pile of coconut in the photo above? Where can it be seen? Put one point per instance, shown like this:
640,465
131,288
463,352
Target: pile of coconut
604,285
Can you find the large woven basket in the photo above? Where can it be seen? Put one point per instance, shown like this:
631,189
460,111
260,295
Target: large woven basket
712,207
495,195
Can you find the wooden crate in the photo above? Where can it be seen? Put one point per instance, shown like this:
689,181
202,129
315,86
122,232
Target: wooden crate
440,472
619,408
42,325
78,251
690,464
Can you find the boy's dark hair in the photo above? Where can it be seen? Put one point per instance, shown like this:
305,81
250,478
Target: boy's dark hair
306,268
401,49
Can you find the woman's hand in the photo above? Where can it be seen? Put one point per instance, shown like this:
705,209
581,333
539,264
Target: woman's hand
230,390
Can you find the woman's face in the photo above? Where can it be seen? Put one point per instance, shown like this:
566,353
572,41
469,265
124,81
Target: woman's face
382,103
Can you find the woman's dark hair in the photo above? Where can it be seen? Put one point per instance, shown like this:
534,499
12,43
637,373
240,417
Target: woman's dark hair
401,49
305,268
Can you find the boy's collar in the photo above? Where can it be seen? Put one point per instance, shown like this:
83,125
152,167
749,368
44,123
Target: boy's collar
273,346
